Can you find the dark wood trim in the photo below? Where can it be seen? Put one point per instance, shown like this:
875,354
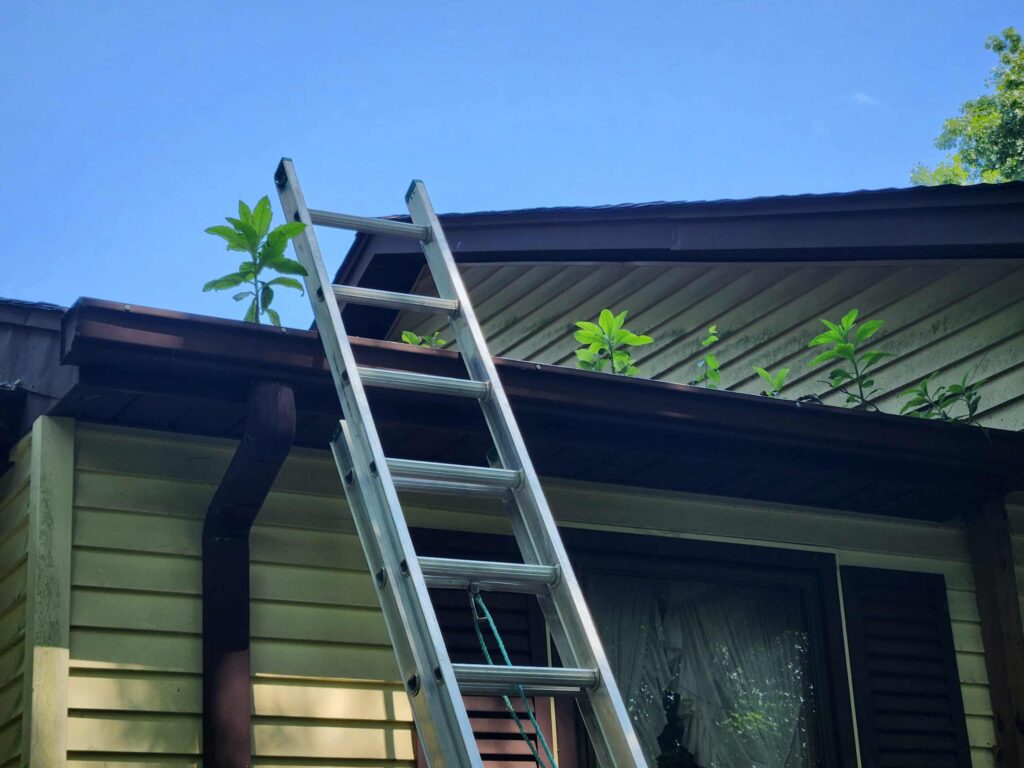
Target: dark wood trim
995,585
813,573
227,689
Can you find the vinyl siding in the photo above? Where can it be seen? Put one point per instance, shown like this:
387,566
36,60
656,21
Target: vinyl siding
14,506
325,685
954,317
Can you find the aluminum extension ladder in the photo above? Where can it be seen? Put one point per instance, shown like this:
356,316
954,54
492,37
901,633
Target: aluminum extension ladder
372,482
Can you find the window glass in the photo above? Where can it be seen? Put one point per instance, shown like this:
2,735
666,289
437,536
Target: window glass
715,674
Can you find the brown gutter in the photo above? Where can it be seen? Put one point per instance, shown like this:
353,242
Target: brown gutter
158,369
227,674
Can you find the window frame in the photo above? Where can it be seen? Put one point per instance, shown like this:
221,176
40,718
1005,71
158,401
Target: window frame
814,574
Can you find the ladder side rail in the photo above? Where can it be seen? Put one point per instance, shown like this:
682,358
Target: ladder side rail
573,628
436,702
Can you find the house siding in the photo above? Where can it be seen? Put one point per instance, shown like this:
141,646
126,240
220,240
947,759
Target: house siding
14,508
324,678
957,316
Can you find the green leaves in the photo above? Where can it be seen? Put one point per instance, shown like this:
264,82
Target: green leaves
844,340
926,404
709,375
250,233
606,344
223,283
433,341
774,382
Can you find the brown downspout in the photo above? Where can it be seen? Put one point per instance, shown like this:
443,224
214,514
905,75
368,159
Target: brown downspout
227,689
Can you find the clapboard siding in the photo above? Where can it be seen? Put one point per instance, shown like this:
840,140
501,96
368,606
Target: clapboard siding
14,506
321,658
322,663
951,317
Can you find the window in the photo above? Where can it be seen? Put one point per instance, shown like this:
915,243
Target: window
726,655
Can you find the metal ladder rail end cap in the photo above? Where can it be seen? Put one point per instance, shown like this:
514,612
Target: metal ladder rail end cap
412,189
280,175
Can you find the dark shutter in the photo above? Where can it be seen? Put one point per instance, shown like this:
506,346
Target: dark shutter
521,625
905,683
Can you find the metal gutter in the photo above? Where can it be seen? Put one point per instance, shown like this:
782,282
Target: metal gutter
227,673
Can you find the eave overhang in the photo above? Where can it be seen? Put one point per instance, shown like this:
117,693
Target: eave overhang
157,369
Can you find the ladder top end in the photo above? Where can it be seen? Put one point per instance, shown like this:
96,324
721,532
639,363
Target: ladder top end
280,177
412,188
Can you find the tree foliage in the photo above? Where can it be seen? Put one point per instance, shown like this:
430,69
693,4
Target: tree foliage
250,233
986,140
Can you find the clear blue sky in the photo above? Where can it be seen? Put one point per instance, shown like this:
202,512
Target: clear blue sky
128,127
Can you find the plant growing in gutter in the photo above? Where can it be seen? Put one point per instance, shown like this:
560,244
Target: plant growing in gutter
939,404
844,342
250,233
773,382
607,342
433,341
709,374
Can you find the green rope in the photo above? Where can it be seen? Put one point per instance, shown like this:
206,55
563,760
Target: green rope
475,600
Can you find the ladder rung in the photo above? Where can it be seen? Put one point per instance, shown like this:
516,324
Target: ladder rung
537,681
369,225
371,297
449,488
459,473
496,577
421,382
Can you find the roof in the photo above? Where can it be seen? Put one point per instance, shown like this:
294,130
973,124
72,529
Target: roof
983,221
31,379
143,367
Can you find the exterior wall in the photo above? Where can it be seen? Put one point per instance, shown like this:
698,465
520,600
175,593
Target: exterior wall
14,504
958,317
35,557
324,677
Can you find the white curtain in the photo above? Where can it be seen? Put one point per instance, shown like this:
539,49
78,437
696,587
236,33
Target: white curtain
714,675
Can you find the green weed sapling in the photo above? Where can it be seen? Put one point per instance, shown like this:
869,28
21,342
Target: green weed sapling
250,233
606,341
773,382
433,341
709,374
939,404
844,341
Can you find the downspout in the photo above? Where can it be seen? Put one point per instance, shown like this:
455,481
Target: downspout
227,689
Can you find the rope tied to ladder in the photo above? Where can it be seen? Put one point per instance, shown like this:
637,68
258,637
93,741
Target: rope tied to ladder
483,616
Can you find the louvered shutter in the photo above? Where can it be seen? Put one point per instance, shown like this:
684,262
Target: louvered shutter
905,683
521,626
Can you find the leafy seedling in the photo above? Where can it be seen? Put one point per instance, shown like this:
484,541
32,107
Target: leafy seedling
433,341
773,383
709,374
939,404
250,233
607,342
844,341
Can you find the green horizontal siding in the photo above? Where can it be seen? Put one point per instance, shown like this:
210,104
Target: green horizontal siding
951,317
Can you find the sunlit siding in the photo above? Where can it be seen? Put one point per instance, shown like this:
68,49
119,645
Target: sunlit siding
324,688
951,317
14,505
321,658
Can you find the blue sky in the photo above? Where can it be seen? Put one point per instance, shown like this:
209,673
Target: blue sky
129,127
